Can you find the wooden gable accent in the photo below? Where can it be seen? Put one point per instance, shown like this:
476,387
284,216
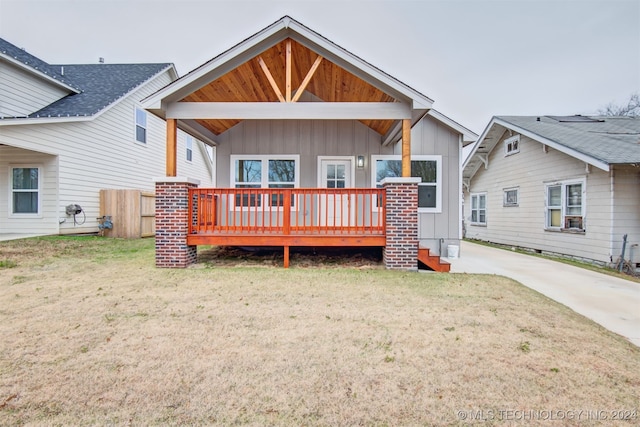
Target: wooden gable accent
280,74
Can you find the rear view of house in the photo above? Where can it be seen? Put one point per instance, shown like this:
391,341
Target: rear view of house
310,139
568,185
69,131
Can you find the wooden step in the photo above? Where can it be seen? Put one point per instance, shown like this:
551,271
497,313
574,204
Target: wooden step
434,262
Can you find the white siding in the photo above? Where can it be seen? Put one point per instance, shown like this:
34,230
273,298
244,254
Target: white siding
22,93
47,221
200,166
626,212
102,154
524,225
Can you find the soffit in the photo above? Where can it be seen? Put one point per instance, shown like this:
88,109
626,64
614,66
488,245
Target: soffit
249,83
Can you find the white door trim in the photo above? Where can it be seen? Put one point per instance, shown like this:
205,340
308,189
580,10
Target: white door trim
352,159
346,202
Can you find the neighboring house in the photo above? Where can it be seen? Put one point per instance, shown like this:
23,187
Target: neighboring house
290,110
68,131
567,185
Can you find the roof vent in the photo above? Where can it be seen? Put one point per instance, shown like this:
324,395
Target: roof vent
101,60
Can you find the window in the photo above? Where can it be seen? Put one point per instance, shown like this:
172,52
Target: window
512,145
510,197
25,190
429,168
141,126
189,148
565,207
479,209
279,171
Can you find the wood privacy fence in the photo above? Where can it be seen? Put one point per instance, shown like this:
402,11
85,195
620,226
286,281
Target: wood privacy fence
132,213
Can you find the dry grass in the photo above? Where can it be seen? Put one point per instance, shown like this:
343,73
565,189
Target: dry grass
93,334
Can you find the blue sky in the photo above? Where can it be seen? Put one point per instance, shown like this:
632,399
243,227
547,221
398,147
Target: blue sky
475,58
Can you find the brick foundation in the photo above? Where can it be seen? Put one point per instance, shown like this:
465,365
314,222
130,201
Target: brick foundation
172,220
401,251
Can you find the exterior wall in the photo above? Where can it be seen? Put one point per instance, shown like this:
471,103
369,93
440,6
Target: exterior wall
626,211
46,222
311,139
22,93
524,225
430,137
308,138
101,154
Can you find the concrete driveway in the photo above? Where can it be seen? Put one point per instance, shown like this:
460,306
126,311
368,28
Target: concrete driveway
613,303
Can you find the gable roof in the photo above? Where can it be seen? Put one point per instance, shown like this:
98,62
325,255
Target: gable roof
600,141
236,76
94,86
26,61
102,84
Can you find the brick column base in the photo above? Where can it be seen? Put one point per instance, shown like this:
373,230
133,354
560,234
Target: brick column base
172,223
401,251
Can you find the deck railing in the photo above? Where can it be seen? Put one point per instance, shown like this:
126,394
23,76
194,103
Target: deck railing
287,211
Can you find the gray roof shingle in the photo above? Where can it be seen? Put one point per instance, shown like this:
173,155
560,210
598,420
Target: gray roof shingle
613,140
37,64
102,84
99,85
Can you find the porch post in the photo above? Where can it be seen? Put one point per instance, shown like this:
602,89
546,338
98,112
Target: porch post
406,148
172,222
172,147
401,250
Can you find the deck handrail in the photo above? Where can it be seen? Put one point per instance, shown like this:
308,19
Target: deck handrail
287,211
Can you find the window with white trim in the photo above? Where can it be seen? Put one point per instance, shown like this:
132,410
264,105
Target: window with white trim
429,168
273,171
565,205
141,125
479,208
25,189
512,145
189,148
511,197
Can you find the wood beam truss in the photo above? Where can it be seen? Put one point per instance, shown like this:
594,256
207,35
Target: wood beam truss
288,90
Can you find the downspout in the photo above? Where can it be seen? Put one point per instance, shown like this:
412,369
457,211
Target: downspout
612,211
460,197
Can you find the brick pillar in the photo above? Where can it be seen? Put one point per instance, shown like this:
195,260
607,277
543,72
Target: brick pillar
401,251
172,222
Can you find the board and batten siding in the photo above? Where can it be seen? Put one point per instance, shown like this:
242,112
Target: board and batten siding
430,137
313,138
308,138
524,225
103,154
22,93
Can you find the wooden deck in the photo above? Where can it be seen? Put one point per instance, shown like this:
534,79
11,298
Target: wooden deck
287,217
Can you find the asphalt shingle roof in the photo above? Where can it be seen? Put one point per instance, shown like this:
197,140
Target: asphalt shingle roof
24,57
99,85
102,84
613,140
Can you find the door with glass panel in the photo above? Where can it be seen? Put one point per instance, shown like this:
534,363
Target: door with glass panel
334,208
